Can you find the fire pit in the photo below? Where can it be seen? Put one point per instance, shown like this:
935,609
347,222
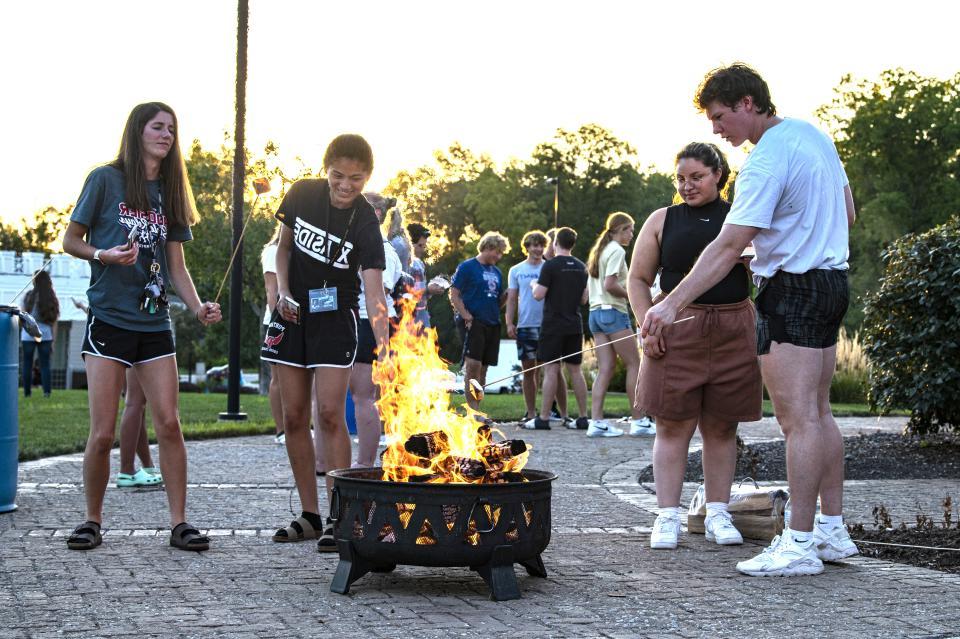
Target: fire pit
487,527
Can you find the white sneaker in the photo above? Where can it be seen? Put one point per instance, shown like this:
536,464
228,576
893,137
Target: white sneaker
666,530
720,529
784,558
642,427
833,544
280,439
599,428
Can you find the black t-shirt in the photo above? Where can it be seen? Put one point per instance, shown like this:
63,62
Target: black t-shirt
326,251
686,232
565,278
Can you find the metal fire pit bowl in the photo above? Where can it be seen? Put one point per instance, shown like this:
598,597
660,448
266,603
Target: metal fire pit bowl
487,527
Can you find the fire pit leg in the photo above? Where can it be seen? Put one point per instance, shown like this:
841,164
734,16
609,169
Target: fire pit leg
499,575
535,567
352,567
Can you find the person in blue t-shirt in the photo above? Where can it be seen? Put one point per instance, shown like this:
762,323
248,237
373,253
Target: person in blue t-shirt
130,223
476,295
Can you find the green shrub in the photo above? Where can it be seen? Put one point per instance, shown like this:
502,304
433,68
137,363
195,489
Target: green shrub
912,329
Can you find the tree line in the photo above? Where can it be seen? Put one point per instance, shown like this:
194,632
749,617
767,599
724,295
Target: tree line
898,136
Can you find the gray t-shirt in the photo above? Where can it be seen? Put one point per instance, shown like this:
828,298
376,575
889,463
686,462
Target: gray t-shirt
529,310
114,292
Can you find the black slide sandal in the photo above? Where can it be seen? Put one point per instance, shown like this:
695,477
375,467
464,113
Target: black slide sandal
186,537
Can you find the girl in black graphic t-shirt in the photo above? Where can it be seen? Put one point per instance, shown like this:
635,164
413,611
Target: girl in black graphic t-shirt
330,238
703,371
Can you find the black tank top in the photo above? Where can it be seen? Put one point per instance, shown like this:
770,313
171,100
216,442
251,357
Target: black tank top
686,232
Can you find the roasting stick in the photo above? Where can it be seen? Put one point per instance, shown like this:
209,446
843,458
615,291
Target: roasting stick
476,388
260,185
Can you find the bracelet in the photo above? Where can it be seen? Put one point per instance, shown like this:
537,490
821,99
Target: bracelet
96,256
197,314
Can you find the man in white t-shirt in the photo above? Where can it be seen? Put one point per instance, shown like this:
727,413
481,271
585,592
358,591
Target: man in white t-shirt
524,314
793,201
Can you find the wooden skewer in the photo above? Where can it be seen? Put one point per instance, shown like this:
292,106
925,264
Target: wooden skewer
476,388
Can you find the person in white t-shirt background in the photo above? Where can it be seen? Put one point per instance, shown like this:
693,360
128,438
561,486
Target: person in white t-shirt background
610,321
268,259
362,388
524,314
793,200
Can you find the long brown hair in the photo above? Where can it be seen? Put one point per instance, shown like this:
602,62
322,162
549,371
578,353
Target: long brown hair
615,222
178,203
43,297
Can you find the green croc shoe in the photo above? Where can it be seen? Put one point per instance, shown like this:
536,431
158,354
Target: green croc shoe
139,479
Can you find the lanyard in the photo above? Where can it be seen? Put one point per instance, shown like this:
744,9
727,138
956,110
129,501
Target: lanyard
343,240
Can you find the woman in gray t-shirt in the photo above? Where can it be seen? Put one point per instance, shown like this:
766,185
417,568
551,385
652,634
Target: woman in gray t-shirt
130,222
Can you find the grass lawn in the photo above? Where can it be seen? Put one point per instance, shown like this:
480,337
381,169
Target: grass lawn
59,424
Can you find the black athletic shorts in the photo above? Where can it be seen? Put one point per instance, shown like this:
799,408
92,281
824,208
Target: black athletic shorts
320,339
125,346
554,346
367,342
805,310
480,342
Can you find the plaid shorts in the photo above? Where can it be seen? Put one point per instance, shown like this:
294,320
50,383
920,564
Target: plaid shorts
804,310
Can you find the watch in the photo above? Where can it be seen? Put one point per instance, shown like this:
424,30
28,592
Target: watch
96,256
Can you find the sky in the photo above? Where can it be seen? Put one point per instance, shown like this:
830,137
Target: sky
413,77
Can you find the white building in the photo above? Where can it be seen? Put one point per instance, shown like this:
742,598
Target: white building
71,278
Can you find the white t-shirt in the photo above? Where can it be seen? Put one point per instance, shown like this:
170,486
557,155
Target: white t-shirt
791,187
269,261
529,310
612,261
391,275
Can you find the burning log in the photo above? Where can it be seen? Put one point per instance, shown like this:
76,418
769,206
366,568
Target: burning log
428,445
502,451
469,469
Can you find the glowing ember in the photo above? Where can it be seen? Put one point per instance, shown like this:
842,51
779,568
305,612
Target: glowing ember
427,440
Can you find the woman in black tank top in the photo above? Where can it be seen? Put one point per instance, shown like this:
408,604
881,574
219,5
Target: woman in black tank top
703,371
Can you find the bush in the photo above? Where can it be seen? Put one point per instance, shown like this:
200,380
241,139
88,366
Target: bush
850,381
912,329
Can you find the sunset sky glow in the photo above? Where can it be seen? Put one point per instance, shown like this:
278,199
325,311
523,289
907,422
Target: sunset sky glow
497,76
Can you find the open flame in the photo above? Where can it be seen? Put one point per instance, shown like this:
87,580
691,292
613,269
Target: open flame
427,440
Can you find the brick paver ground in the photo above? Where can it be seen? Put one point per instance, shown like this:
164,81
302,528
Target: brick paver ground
603,581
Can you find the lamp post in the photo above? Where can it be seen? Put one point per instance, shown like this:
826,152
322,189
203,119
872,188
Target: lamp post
555,181
239,169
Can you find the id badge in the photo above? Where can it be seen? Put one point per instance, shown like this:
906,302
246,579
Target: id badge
323,299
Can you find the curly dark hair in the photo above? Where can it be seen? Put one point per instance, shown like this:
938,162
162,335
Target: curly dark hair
729,85
710,156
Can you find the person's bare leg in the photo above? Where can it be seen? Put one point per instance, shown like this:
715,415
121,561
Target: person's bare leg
579,387
103,397
670,458
628,351
831,483
529,386
606,361
330,387
472,369
365,412
276,403
319,451
561,395
295,391
792,377
161,386
550,375
719,456
131,422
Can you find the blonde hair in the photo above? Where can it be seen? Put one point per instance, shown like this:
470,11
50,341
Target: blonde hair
493,240
615,222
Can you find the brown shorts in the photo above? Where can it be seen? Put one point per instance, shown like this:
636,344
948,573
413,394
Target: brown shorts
710,366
